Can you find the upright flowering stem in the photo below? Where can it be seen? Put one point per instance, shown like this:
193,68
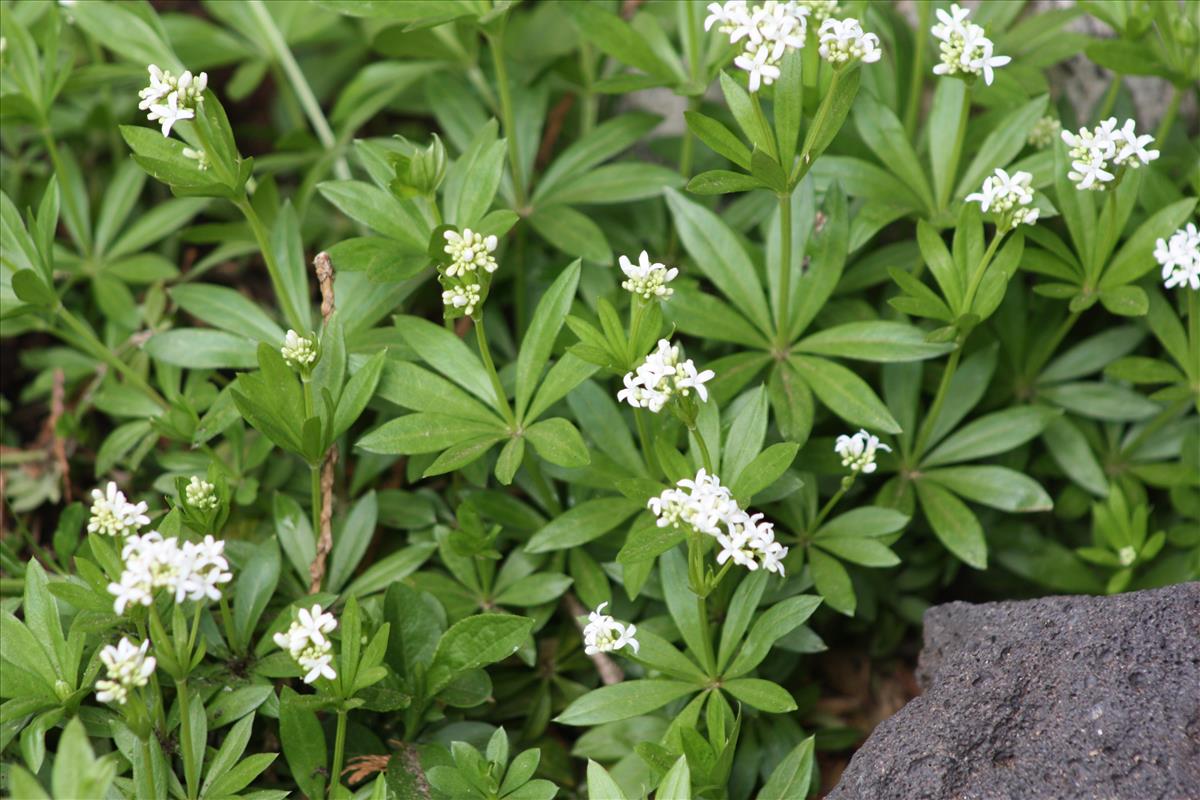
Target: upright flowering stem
1168,119
190,768
485,354
847,482
785,269
639,417
264,245
101,351
980,270
913,105
805,162
147,768
339,752
496,41
704,456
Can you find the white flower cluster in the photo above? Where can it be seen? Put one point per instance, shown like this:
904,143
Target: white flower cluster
1045,132
647,279
308,644
843,40
965,48
128,668
663,376
469,251
1010,198
770,30
199,156
603,634
858,451
191,571
707,507
201,494
300,352
1179,258
465,296
113,515
181,95
1092,151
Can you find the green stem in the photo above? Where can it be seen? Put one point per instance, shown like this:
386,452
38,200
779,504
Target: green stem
534,468
485,354
847,482
300,86
637,310
1046,347
264,245
68,197
785,270
227,623
639,418
506,112
185,736
1153,426
195,629
705,635
916,80
804,163
964,114
588,109
147,769
704,456
980,271
936,408
1110,97
339,751
1168,120
101,351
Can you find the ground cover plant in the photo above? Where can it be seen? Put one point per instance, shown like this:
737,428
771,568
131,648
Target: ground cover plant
468,399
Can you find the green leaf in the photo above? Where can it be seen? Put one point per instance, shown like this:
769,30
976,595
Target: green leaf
380,211
742,107
718,138
476,642
704,315
255,585
616,183
681,602
994,433
418,389
953,524
862,521
357,392
771,626
719,255
723,181
201,348
766,468
539,340
873,341
947,122
998,487
617,38
228,310
622,701
831,114
292,286
792,777
603,142
1005,140
883,132
761,694
425,433
472,182
1098,400
572,232
860,550
600,783
845,394
559,442
583,523
446,353
832,581
1135,258
746,434
356,532
677,783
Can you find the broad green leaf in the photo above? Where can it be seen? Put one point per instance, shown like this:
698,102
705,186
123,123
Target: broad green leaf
418,389
873,341
599,783
476,642
953,524
559,442
718,138
539,340
425,433
883,132
622,701
572,232
761,694
792,777
605,141
583,523
1135,258
832,581
844,393
998,487
994,433
677,783
201,348
446,353
228,310
1006,139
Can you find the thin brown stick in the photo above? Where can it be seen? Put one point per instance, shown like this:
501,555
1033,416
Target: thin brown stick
316,570
609,671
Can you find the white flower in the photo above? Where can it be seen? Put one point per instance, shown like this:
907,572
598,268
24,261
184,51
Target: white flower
113,515
465,297
167,114
843,40
1009,197
646,279
603,634
663,376
1179,258
181,95
858,451
1091,152
706,507
965,48
306,641
469,251
1044,132
198,156
201,494
158,89
194,571
128,667
1126,555
769,30
819,10
300,352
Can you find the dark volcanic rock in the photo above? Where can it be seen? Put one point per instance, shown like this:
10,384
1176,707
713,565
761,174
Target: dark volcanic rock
1064,698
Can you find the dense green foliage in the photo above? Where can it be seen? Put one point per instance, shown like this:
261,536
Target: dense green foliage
456,432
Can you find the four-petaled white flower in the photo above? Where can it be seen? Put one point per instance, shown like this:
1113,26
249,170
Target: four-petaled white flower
201,494
113,515
169,99
128,667
965,47
1097,153
308,643
1010,198
767,31
191,571
469,251
662,377
465,296
1179,258
603,634
705,506
647,279
300,352
858,451
843,40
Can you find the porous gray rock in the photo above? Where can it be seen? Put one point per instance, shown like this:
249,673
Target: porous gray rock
1063,698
